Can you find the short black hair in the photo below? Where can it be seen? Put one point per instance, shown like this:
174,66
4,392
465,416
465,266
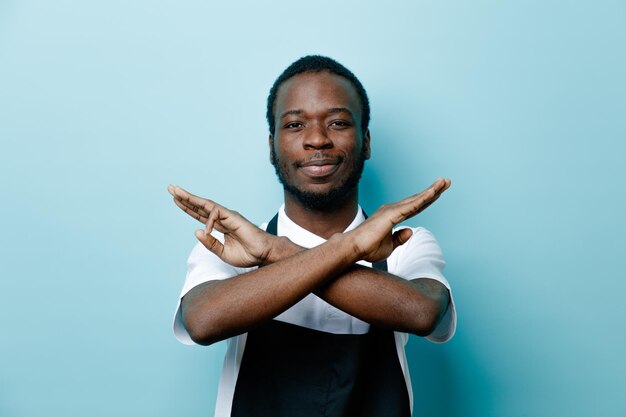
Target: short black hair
318,63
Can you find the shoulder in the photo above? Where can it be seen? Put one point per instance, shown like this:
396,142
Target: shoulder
420,257
422,239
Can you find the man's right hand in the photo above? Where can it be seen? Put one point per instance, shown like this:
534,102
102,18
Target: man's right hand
245,245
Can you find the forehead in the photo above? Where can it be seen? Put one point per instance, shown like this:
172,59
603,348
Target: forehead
311,91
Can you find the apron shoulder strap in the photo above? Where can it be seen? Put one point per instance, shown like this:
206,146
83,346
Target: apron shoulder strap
272,226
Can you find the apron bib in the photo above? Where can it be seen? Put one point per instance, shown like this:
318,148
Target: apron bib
293,371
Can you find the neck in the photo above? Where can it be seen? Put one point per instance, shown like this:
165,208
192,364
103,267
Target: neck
323,223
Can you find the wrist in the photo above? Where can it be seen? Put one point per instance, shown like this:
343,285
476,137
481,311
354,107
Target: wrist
280,247
348,244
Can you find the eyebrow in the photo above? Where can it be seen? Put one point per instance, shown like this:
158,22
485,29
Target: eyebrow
288,112
332,110
339,110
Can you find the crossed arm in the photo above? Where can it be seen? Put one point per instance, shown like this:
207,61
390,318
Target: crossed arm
211,311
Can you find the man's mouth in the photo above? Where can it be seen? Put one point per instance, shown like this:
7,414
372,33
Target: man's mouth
320,167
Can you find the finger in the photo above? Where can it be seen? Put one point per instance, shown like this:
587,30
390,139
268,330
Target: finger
400,237
434,198
198,215
434,191
428,201
213,217
223,220
447,183
210,242
440,185
192,204
437,185
434,187
417,203
420,204
408,208
427,204
206,204
194,208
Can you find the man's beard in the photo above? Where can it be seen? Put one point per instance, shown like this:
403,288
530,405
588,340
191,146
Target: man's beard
322,201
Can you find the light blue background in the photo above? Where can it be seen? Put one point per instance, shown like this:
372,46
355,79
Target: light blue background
103,103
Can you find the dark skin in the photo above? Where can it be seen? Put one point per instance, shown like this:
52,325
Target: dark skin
317,138
318,121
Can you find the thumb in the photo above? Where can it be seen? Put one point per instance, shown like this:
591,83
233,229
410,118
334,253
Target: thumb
210,242
400,237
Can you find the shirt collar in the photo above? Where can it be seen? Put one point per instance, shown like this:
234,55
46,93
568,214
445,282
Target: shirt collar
302,237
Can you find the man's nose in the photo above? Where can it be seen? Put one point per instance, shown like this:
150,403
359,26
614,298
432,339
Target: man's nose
317,138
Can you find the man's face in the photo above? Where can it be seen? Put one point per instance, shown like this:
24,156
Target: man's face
318,148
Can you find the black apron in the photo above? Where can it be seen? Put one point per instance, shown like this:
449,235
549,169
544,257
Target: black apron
293,371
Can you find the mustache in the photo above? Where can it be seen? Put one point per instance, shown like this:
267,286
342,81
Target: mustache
318,157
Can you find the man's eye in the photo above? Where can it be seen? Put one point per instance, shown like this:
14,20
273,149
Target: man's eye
293,125
340,123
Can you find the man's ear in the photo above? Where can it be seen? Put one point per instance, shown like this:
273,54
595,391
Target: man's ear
271,142
366,144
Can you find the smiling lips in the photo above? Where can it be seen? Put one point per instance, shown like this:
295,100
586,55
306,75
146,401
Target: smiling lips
320,167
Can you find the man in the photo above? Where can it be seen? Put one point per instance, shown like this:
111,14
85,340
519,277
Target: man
317,303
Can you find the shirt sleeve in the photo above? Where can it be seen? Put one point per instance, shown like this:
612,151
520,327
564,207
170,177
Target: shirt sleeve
421,257
202,266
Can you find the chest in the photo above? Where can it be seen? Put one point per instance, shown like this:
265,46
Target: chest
314,313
